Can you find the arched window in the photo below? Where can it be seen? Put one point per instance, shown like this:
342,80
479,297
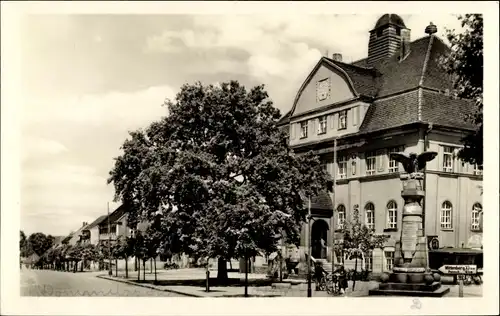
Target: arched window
340,216
476,210
446,213
370,215
392,215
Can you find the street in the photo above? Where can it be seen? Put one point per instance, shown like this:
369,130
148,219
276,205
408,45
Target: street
56,283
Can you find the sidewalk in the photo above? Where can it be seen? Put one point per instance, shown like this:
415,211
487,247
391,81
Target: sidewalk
191,282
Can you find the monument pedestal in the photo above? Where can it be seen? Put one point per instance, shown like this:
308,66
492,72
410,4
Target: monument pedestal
411,276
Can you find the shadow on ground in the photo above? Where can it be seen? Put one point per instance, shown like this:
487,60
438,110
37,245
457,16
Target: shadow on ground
213,282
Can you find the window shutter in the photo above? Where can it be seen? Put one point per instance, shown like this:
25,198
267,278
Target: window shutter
292,131
380,160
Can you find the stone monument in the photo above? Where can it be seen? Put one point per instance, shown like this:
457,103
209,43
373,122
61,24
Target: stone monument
411,275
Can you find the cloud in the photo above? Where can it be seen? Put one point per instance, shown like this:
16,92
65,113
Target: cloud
38,146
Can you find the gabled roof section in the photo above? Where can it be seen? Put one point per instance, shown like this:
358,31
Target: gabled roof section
391,112
114,216
328,62
96,222
363,79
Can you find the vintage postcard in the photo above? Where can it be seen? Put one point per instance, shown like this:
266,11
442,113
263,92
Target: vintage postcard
248,153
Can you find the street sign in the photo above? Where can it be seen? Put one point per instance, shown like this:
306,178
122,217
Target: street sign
458,269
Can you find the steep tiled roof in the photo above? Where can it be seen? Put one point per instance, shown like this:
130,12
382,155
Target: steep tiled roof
444,110
96,222
114,216
391,112
321,202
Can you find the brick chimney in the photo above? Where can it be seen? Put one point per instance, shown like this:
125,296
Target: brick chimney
389,36
337,57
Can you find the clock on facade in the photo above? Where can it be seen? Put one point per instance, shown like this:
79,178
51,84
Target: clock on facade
323,89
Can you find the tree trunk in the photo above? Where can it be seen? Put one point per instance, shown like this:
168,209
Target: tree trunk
154,259
126,267
116,267
81,267
144,269
138,269
354,273
151,265
247,265
222,277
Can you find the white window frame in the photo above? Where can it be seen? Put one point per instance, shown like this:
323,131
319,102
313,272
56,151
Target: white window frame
446,215
304,126
393,164
342,167
322,124
388,260
370,162
342,123
448,158
476,211
392,215
370,209
369,261
341,219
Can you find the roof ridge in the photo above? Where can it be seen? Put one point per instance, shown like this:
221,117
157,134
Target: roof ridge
421,82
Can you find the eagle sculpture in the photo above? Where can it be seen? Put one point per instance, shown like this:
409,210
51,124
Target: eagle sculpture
414,163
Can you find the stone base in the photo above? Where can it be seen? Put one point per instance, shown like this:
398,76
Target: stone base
440,292
410,287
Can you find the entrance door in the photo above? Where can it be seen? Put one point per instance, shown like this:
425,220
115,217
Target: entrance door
319,238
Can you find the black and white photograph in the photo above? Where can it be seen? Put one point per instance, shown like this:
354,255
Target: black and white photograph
249,156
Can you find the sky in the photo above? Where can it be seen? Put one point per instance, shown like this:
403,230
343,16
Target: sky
89,79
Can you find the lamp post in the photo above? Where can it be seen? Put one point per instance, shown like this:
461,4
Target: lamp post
110,272
309,249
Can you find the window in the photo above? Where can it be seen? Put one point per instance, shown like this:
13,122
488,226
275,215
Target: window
446,211
354,158
370,163
342,120
303,129
370,216
322,125
369,261
342,167
398,31
476,210
380,32
448,159
389,260
477,170
340,216
393,164
392,215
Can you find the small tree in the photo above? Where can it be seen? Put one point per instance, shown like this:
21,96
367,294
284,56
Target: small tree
121,251
358,241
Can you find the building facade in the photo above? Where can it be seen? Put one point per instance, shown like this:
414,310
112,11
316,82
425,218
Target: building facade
353,115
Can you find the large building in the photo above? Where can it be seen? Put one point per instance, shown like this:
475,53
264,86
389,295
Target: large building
397,99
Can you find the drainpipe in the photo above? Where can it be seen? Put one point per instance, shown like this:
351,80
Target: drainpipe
426,147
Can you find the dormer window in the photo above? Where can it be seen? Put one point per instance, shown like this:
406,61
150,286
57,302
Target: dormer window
380,32
398,31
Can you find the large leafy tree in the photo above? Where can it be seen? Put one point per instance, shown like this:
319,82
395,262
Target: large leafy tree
220,174
40,243
465,64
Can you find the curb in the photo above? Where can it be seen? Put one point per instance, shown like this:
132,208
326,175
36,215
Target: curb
147,286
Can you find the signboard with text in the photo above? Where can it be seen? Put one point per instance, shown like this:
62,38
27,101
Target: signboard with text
459,269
